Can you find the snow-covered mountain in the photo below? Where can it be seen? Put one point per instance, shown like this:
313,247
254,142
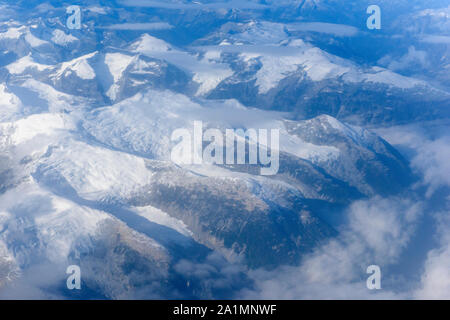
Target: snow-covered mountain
86,118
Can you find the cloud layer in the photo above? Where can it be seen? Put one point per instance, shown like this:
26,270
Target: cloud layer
377,233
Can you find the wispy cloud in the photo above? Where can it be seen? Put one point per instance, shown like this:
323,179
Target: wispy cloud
435,281
257,49
435,39
430,145
139,26
377,233
328,28
197,5
413,58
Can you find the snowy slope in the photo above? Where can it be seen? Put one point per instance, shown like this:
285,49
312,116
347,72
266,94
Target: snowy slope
86,118
206,72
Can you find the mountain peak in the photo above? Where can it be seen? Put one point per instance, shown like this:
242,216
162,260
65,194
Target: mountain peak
148,44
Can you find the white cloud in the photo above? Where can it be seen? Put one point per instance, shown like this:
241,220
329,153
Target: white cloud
435,39
234,4
34,283
435,281
377,232
99,10
430,144
433,161
140,26
412,58
328,28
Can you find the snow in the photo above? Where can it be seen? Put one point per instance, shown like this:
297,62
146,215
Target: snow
259,32
388,77
19,66
142,67
58,222
207,72
62,227
210,80
97,173
13,33
139,125
80,66
77,154
9,103
117,63
28,128
320,66
57,101
278,62
334,123
275,69
315,153
142,124
277,65
148,45
34,41
160,217
61,38
384,76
